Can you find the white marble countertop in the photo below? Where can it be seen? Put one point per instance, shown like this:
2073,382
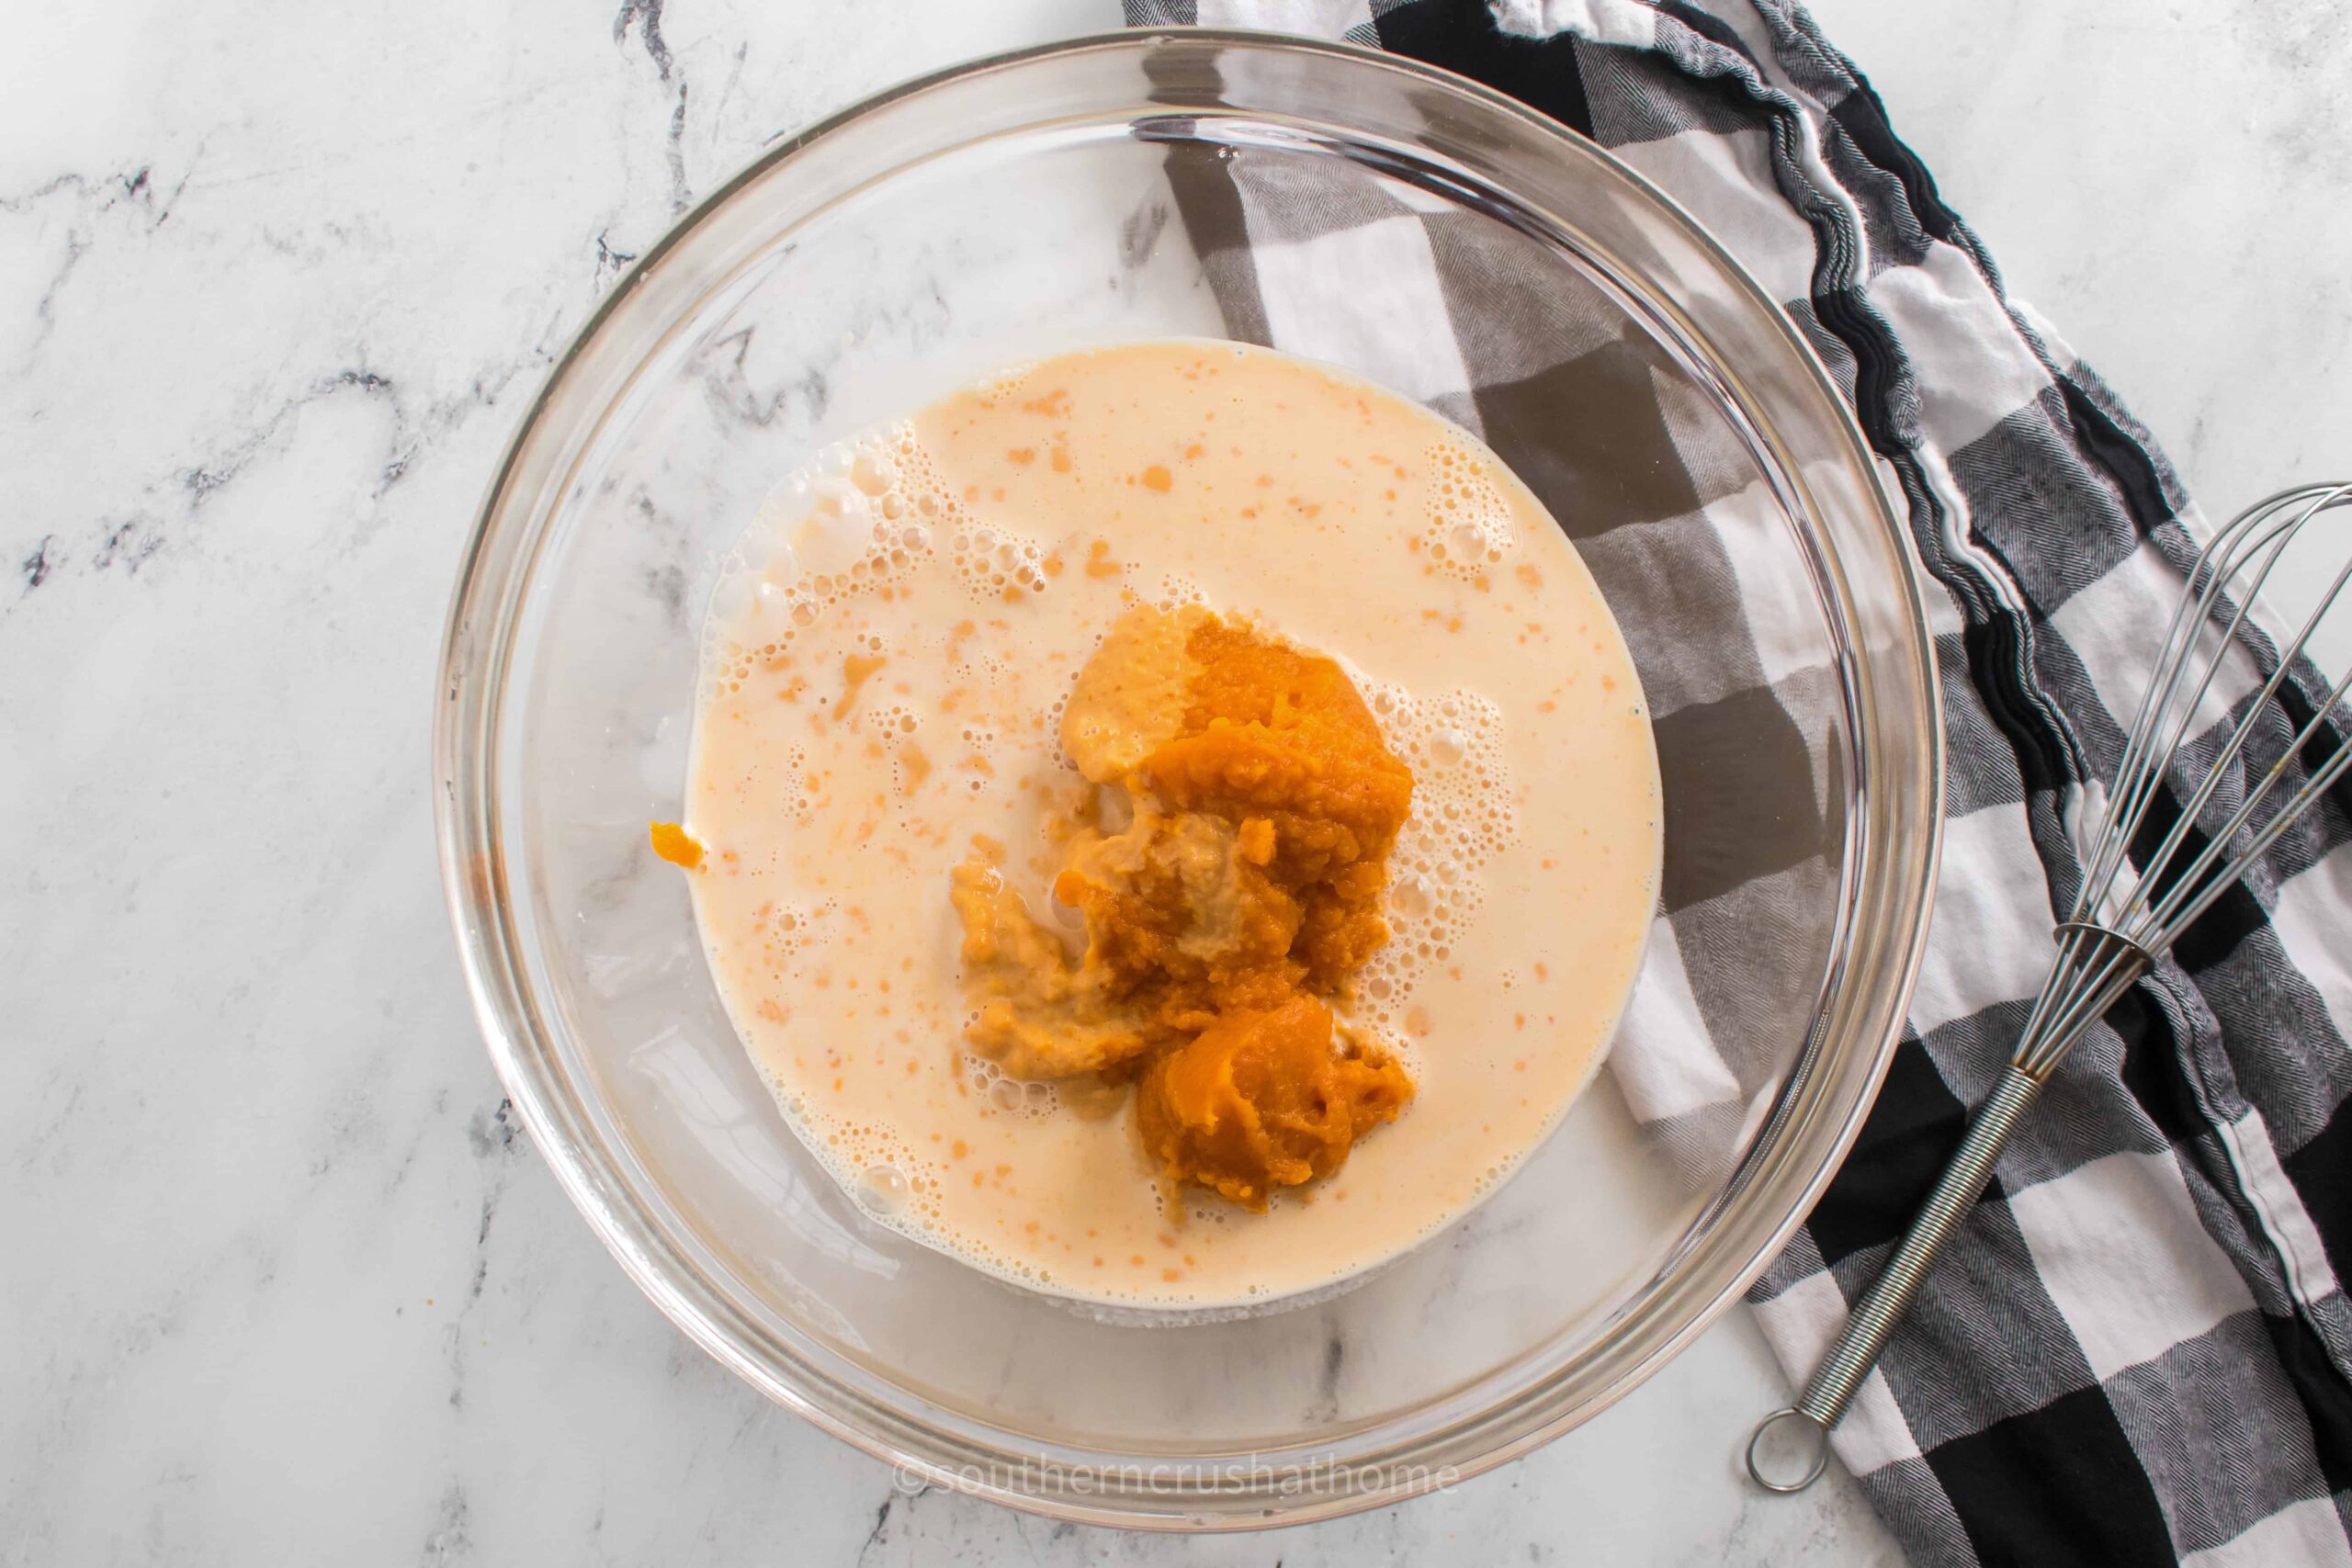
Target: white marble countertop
275,282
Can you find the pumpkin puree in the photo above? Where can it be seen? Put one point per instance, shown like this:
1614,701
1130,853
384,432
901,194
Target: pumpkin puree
1227,869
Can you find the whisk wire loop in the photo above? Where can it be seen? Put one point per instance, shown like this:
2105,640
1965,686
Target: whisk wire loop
2161,729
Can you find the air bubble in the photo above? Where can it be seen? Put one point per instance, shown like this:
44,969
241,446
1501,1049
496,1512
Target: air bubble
883,1188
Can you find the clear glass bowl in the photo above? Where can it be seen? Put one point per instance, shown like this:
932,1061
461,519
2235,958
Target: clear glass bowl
1642,384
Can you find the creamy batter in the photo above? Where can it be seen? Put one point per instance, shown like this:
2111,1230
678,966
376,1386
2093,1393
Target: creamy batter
885,667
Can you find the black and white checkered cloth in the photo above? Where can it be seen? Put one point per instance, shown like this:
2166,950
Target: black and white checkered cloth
2137,1348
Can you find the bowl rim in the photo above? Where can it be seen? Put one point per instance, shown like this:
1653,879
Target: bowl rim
474,882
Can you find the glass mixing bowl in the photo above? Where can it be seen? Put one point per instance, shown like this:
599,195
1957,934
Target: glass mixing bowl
1191,183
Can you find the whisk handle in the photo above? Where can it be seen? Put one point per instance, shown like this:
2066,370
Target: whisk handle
1833,1387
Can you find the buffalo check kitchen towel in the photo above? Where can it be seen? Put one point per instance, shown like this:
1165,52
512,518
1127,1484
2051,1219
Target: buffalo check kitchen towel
2137,1348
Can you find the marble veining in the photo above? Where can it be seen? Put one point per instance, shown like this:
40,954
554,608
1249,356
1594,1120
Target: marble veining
287,1282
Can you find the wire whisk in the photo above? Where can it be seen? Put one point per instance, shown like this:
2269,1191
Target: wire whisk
2135,897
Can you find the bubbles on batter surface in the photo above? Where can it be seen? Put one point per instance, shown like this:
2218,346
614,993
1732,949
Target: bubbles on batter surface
998,385
995,564
1468,530
1171,592
1004,1096
1464,813
851,522
894,1186
871,1164
788,934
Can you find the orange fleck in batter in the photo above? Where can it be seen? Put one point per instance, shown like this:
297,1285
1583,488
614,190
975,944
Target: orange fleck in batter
856,670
